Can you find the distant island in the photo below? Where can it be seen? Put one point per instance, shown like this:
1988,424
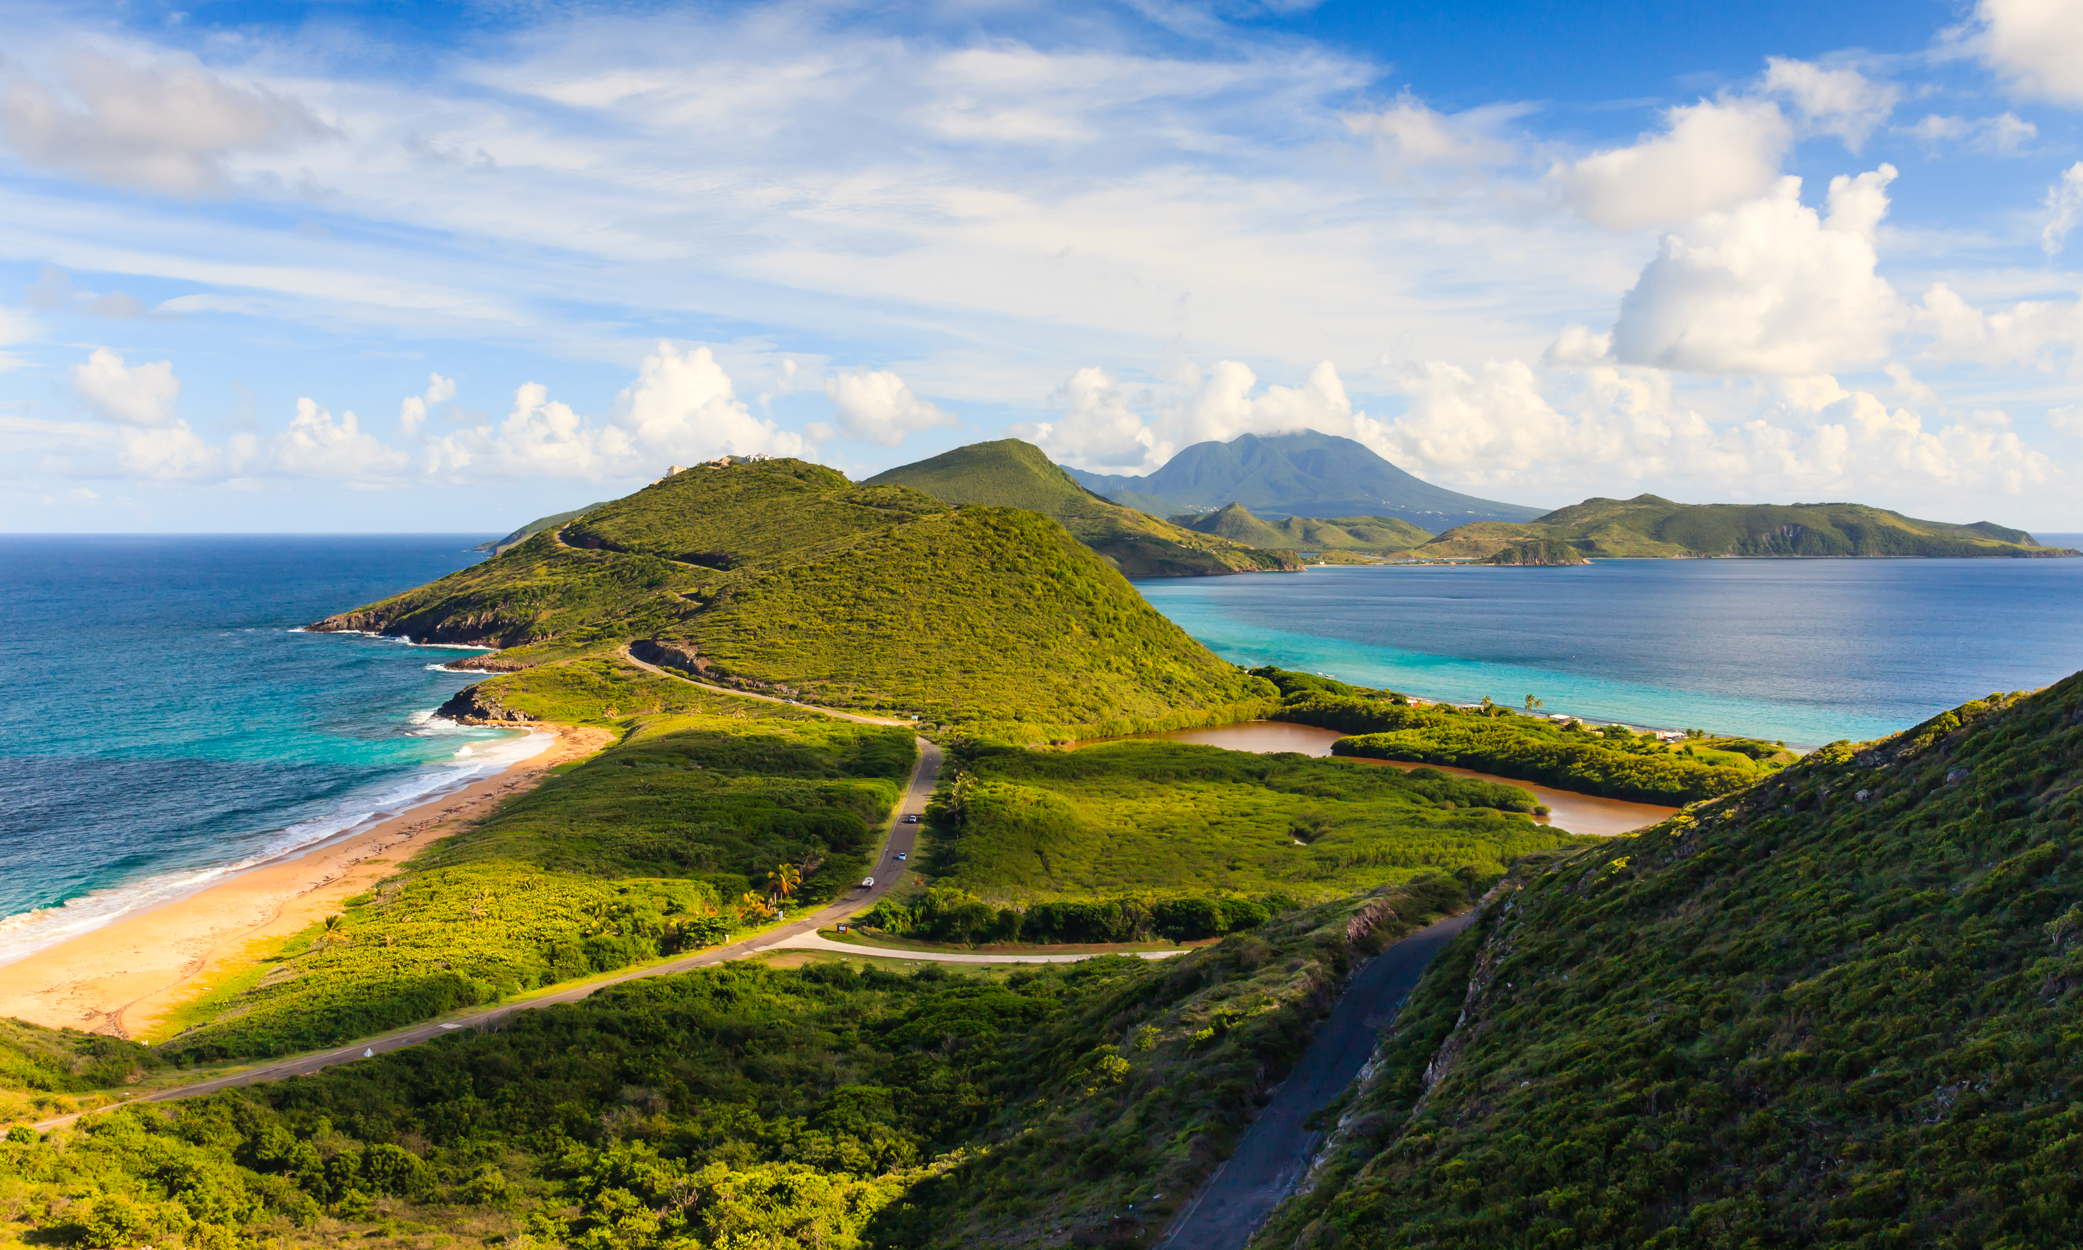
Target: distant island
1651,527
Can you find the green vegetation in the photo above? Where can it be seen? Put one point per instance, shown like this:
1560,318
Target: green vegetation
782,577
1611,760
39,1067
1837,1009
741,1106
1372,535
498,546
1537,551
1013,474
648,849
1647,526
1130,824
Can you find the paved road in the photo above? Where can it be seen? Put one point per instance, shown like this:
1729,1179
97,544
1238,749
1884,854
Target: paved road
812,942
1276,1148
886,871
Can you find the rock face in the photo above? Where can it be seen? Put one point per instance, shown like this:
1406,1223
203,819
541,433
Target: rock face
680,655
477,705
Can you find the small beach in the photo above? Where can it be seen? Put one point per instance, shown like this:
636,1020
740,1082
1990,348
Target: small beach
125,976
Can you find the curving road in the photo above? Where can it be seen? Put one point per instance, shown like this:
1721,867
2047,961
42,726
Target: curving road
764,698
897,841
1276,1148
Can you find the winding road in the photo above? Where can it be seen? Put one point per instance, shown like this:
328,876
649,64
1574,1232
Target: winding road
1277,1148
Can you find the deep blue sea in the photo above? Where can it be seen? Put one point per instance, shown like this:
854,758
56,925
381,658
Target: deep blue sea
161,725
1802,651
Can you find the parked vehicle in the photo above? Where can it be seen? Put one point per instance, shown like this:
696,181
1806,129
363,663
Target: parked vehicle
911,820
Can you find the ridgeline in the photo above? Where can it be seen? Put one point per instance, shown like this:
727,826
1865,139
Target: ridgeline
784,578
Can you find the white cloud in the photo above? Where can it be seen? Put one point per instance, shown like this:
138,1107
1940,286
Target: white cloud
2064,209
2036,44
1709,156
1499,429
412,412
1222,407
1410,134
878,406
1841,101
1099,429
539,438
2038,333
165,126
1577,345
1768,287
2068,420
142,395
682,406
316,446
2004,134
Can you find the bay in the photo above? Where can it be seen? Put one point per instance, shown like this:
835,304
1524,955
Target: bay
1800,651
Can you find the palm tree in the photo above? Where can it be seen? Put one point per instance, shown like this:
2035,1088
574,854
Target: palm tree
784,880
332,932
1533,704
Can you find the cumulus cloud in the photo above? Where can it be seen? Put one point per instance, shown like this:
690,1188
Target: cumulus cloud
141,395
412,412
2036,44
1498,425
1099,429
316,446
683,405
877,405
1767,287
1709,156
2040,333
1840,101
168,126
540,437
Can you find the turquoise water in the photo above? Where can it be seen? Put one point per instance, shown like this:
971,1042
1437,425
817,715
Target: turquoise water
1803,651
161,726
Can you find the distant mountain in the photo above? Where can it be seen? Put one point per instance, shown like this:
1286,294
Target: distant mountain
1011,474
1301,475
1648,526
1372,534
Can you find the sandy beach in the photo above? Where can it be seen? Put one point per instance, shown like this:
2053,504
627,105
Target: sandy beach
123,977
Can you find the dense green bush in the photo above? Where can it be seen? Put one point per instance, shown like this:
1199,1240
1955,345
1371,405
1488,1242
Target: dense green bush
1836,1009
949,915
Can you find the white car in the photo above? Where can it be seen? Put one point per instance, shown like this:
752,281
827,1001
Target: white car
867,882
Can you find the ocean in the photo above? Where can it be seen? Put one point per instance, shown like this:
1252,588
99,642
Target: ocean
1800,651
162,726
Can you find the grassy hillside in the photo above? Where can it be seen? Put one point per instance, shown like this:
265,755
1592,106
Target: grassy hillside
1166,818
782,576
1010,473
642,851
50,1071
1379,535
1647,526
1537,551
743,1106
1837,1009
537,526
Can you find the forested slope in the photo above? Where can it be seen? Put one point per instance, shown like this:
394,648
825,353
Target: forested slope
1839,1009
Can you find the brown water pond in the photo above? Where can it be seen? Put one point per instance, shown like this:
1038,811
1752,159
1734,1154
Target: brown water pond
1578,813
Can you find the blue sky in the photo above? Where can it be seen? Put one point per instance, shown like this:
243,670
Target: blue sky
1535,252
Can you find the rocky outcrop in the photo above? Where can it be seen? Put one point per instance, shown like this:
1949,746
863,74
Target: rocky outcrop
1539,551
469,629
486,664
480,705
681,655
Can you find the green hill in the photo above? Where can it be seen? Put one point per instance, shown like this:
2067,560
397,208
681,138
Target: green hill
1013,474
783,576
499,545
1375,535
1838,1008
1537,551
1648,526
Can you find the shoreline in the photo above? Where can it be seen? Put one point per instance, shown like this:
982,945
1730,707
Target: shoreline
125,976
